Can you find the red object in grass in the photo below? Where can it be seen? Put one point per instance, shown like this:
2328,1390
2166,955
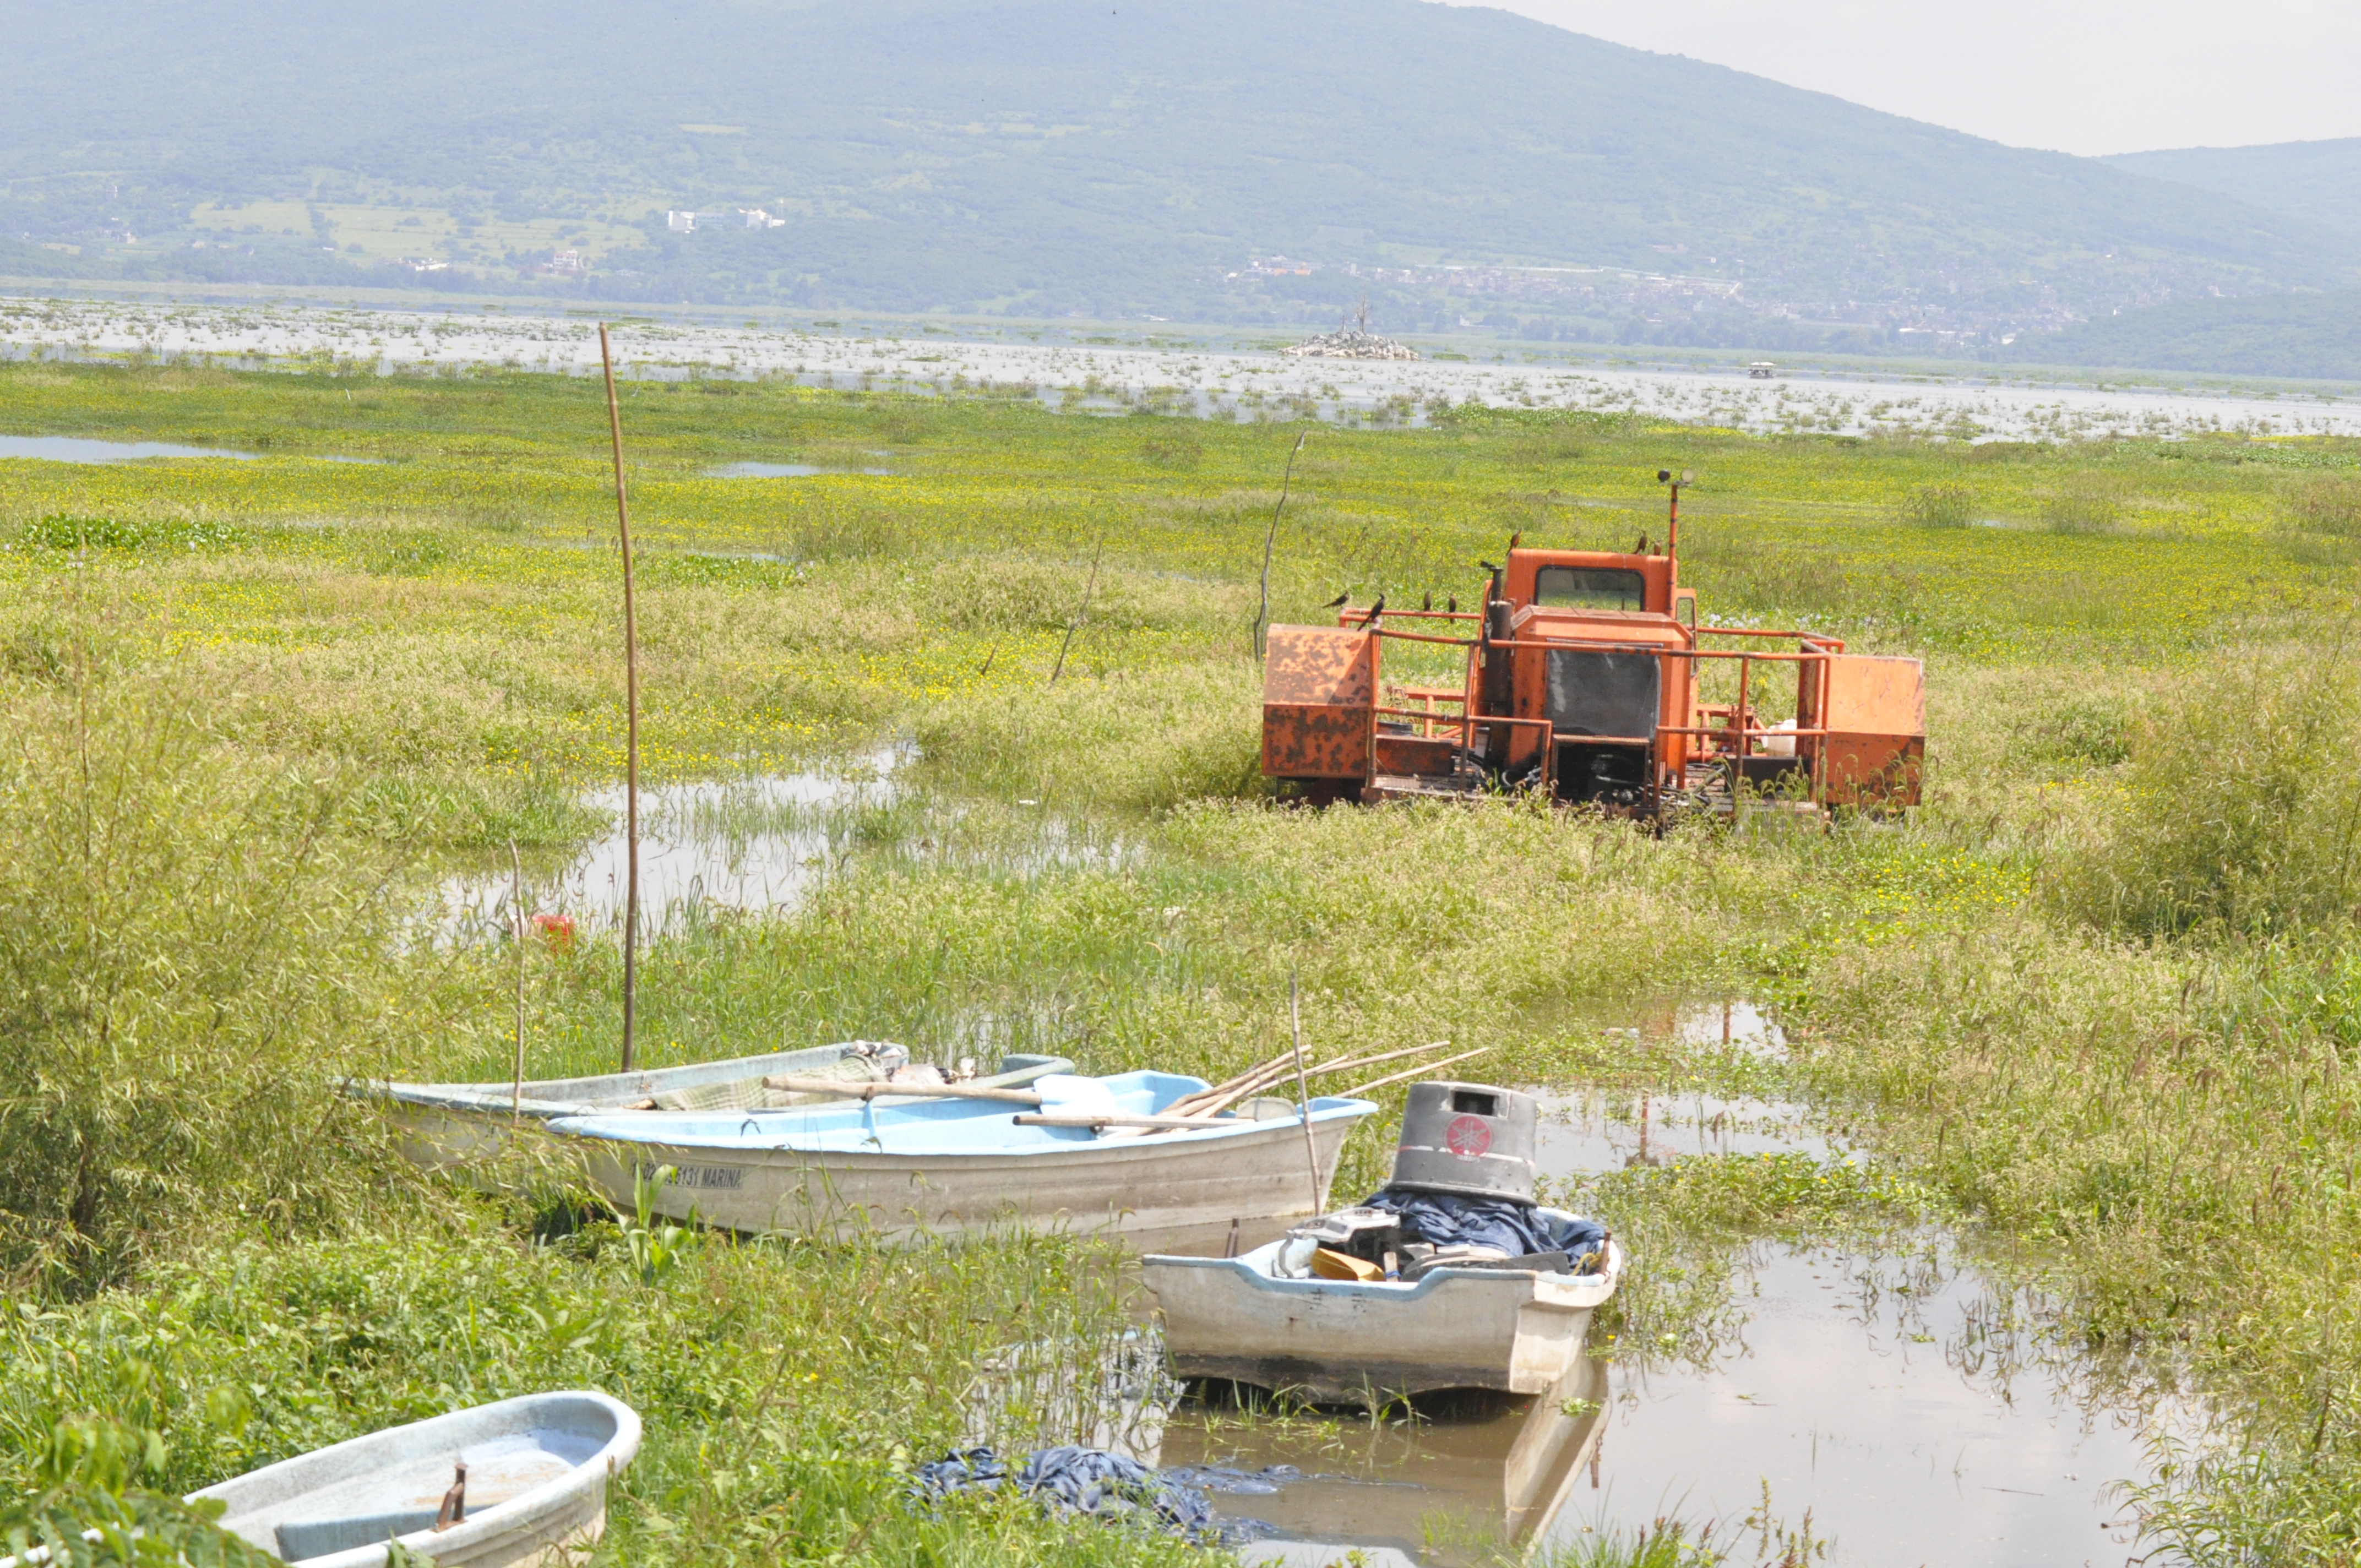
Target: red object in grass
557,930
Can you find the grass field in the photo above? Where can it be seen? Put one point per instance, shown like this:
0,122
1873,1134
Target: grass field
2091,1003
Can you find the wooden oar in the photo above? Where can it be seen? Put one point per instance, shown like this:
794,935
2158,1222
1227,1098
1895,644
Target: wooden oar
1418,1071
845,1089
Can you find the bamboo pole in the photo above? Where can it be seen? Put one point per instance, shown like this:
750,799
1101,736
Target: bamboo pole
516,1084
1421,1068
1303,1088
630,715
846,1088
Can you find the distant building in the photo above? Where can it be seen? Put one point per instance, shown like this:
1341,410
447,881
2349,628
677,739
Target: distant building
1762,370
756,218
680,222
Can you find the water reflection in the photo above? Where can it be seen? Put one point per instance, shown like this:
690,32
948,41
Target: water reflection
79,449
1908,1407
765,843
1583,1131
1445,1485
1916,1414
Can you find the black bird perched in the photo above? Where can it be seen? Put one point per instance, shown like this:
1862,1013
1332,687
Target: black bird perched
1640,548
1451,604
1430,602
1377,609
1340,601
1516,539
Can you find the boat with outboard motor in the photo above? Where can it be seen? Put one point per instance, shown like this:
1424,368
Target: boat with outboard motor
1450,1277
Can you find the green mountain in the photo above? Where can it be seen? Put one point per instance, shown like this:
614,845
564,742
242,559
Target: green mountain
1044,158
2316,335
2316,181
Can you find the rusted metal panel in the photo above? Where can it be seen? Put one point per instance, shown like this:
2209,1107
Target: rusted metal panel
1320,666
1870,695
1319,703
1302,743
1872,770
1416,755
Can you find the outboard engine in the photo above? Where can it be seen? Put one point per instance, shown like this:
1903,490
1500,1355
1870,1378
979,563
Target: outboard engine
1473,1139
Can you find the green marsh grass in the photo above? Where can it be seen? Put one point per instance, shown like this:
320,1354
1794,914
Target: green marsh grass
2095,1005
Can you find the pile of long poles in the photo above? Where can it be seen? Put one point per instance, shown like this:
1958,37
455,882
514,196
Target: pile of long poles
1268,1075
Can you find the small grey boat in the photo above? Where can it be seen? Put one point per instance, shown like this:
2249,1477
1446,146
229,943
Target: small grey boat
534,1484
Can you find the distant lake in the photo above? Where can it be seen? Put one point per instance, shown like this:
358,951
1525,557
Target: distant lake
782,471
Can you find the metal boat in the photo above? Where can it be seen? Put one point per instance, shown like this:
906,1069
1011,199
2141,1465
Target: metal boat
1092,1157
533,1487
1350,1342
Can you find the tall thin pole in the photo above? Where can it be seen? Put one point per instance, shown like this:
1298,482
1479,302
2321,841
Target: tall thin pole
1270,536
1303,1087
631,714
516,1085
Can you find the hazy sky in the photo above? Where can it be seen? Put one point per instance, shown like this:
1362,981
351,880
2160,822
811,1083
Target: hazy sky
2086,76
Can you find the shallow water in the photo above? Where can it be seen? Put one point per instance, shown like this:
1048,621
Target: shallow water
783,471
80,449
1585,1130
763,844
1895,1399
1222,383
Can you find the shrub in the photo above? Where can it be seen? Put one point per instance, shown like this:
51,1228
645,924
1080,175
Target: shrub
2327,504
188,952
2242,806
1940,506
2087,503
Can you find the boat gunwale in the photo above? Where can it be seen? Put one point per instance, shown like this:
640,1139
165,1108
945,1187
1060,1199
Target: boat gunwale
1406,1293
502,1096
1329,1108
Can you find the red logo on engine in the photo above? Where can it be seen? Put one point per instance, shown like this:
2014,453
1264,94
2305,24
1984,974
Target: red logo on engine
1467,1136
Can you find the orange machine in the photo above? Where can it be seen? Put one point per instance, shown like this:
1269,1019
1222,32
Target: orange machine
1582,678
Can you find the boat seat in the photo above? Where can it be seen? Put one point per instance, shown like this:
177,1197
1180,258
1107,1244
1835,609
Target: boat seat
301,1540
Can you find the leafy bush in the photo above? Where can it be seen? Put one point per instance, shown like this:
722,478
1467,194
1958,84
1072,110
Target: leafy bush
1940,506
2327,504
2242,810
2087,503
190,953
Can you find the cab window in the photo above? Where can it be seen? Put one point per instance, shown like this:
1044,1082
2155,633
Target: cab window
1590,588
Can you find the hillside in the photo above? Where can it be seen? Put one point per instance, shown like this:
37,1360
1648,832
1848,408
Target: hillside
2316,181
2314,336
1044,157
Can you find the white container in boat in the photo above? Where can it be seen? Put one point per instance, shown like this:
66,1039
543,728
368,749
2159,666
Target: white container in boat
1473,1139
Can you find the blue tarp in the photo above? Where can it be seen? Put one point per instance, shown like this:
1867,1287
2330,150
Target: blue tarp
1446,1218
1072,1480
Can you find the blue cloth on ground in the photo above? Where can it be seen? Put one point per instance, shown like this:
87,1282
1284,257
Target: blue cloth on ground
1446,1218
1074,1480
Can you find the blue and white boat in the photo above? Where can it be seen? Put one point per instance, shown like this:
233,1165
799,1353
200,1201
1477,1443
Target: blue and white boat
1097,1154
